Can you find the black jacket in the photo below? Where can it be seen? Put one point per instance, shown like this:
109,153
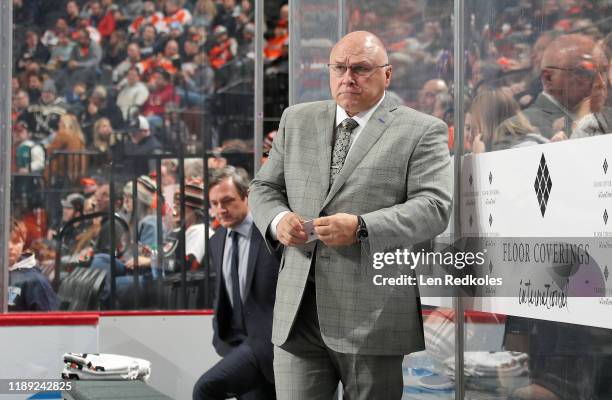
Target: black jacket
258,303
30,290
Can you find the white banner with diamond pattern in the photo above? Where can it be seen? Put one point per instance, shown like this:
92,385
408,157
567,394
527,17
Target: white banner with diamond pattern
559,190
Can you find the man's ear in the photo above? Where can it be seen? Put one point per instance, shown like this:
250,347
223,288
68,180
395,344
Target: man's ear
388,73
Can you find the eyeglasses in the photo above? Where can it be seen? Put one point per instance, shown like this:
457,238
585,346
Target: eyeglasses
586,70
358,69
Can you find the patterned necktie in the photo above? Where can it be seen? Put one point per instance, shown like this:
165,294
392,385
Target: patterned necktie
236,298
341,147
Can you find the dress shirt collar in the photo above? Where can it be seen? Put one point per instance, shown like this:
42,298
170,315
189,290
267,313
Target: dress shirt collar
362,118
244,229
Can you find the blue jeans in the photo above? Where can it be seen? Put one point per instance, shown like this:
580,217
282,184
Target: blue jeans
190,97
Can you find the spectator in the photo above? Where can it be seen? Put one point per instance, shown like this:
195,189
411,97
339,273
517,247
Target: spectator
83,24
198,81
224,48
274,45
76,100
33,51
194,168
99,106
174,132
29,157
51,36
484,72
171,60
174,13
284,12
28,288
72,14
132,95
43,118
246,48
149,17
103,138
426,99
227,11
102,18
21,102
34,84
102,204
115,49
443,109
72,207
204,12
194,219
246,15
190,50
148,41
84,59
143,213
573,76
104,142
140,143
132,60
60,53
15,85
161,93
494,129
28,161
144,221
69,138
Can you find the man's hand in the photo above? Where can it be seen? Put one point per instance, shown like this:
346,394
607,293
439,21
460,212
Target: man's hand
558,137
143,262
337,230
51,234
290,230
478,145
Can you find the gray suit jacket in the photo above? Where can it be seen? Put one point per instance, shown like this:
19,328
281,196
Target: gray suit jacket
397,176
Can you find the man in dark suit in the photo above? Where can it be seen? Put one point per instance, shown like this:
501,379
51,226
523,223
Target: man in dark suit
245,293
573,75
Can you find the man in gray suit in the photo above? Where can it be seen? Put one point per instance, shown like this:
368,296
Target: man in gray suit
373,177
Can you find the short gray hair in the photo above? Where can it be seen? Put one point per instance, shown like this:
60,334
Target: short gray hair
238,176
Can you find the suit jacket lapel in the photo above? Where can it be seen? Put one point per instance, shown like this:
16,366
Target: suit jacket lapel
325,134
253,253
544,103
373,130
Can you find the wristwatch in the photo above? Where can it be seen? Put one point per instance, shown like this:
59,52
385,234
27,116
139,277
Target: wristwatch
362,230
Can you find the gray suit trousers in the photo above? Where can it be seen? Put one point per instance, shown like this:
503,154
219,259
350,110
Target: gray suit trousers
306,369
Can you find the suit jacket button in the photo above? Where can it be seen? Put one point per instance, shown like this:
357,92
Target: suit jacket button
309,254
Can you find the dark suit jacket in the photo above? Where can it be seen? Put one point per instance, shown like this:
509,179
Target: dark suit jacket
258,302
543,113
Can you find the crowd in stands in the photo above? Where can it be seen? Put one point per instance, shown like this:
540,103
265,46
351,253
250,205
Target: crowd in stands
101,81
514,51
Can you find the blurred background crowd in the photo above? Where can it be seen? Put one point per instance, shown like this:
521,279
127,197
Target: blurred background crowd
96,81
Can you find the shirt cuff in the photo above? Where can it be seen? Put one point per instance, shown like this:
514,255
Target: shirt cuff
275,222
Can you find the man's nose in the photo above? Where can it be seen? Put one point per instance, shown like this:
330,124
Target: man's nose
348,75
